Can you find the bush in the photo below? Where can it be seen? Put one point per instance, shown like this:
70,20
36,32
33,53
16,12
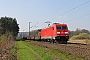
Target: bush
3,41
7,49
81,36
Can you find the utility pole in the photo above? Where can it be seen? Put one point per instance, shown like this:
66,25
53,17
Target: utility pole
48,22
29,29
23,33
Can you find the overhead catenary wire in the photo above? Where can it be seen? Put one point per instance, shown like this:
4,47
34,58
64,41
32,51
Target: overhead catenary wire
72,9
59,9
78,17
34,25
84,7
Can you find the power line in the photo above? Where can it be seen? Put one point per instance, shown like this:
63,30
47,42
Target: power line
79,10
78,17
73,9
59,9
34,25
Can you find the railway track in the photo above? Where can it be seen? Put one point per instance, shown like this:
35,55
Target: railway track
74,48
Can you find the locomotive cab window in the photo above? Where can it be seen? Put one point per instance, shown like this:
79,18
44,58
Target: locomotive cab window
61,27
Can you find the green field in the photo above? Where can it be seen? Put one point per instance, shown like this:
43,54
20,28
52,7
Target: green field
30,51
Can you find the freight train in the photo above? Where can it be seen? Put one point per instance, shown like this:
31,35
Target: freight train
56,33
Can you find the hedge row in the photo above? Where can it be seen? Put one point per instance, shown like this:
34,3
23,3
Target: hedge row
81,36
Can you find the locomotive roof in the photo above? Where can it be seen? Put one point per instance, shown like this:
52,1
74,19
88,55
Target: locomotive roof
62,24
59,24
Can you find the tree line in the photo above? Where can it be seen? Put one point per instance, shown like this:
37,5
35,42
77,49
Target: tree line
8,25
78,31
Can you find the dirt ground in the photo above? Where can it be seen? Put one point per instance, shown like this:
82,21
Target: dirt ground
77,49
80,41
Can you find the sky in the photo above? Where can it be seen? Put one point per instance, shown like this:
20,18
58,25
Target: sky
74,13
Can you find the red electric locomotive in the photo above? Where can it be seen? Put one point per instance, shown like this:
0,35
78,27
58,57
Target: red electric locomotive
56,33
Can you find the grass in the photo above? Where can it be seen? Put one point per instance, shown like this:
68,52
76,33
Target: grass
84,41
26,51
40,51
23,52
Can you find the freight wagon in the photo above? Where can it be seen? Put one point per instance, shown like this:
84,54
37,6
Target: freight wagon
56,33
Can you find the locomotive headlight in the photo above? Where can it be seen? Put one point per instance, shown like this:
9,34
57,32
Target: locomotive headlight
58,32
66,32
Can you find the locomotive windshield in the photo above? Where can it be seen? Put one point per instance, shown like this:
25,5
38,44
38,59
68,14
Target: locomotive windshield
61,27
